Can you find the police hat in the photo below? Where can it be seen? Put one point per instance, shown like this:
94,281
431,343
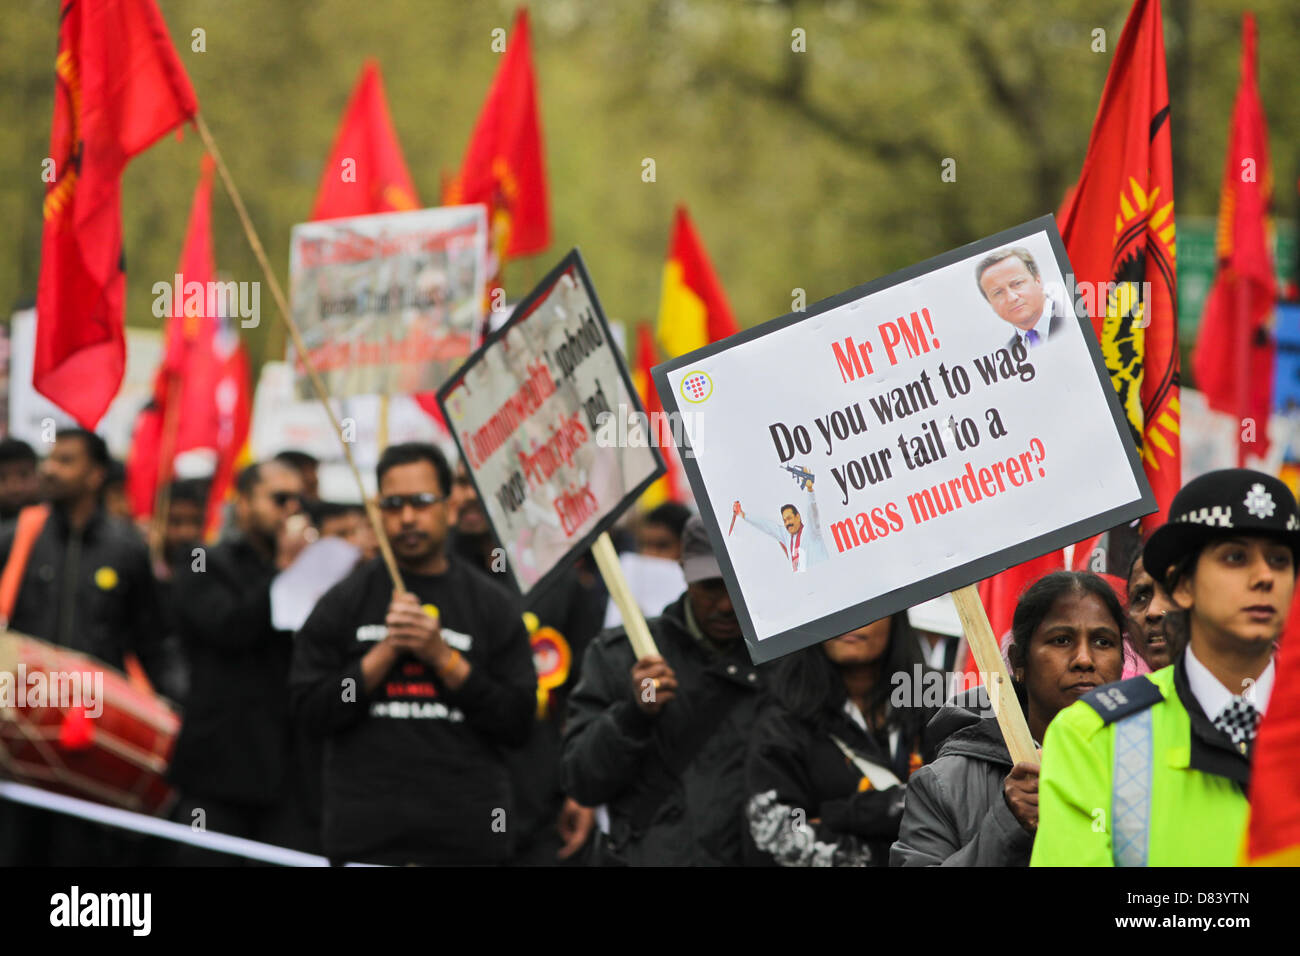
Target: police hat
1222,504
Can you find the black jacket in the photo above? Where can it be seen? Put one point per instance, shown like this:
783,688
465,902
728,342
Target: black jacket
413,770
236,736
674,784
576,612
956,814
797,774
91,591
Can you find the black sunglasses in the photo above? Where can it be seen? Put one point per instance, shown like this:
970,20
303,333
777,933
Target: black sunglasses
282,498
425,499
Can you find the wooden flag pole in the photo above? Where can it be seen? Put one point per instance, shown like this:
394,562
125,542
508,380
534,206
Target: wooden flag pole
282,304
638,631
984,645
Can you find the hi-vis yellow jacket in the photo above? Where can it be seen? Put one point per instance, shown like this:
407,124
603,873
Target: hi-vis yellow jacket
1134,774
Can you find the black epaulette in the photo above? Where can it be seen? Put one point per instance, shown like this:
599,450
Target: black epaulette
1116,701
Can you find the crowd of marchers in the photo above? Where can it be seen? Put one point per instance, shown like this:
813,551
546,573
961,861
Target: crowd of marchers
446,723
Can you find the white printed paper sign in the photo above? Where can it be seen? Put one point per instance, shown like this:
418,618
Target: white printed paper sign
903,439
532,412
389,304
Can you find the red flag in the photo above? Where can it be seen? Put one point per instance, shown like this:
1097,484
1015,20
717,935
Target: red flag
1118,226
366,172
1000,594
693,308
503,167
1273,831
233,399
670,486
188,373
1235,351
119,87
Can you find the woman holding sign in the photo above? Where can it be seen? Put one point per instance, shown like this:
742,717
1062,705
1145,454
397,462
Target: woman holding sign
1154,770
973,806
829,759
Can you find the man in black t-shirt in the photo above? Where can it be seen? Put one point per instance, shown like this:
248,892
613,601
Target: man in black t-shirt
416,693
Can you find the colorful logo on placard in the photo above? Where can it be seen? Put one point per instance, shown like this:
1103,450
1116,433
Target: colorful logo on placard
696,387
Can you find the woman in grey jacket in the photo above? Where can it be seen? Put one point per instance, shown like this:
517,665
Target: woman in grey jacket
972,806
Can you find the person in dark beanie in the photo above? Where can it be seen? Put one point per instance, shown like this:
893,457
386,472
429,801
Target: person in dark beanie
1155,770
416,693
973,806
661,740
237,763
830,758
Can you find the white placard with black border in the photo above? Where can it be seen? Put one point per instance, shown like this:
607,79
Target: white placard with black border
924,478
526,413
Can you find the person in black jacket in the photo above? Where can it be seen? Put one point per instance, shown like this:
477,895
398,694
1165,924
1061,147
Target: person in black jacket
416,693
661,740
236,763
551,827
87,586
973,806
830,758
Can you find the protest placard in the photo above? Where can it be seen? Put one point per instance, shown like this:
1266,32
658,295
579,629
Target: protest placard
388,304
31,414
903,439
525,411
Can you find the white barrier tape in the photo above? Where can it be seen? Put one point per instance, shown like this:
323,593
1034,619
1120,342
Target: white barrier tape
140,823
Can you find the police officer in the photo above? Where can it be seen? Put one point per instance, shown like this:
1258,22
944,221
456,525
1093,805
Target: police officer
1154,770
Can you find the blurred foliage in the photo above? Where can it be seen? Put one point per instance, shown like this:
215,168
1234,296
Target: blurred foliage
816,170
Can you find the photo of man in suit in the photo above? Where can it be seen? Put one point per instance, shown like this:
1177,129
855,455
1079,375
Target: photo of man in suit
1011,284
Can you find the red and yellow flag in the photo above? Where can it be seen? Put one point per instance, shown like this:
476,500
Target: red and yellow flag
1118,227
366,172
693,308
119,87
1235,350
503,167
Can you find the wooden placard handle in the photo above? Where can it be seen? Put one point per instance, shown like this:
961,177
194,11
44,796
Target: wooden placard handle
638,632
984,645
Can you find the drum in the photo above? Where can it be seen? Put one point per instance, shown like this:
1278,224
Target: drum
74,725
